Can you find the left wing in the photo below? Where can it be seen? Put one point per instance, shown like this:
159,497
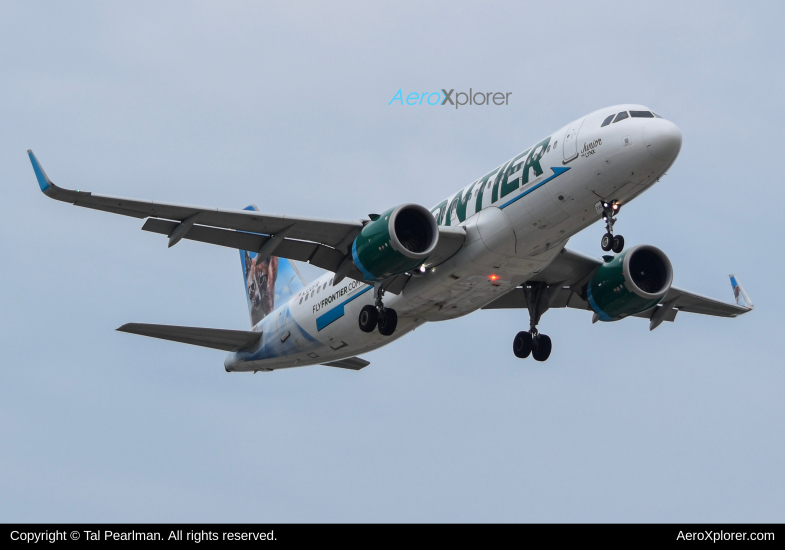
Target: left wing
569,272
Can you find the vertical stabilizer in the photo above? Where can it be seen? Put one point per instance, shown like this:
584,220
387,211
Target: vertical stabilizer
269,283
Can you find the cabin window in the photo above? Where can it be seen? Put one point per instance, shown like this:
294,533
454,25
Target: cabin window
641,114
621,116
607,121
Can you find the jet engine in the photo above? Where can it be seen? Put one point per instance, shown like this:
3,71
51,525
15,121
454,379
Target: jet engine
395,242
632,282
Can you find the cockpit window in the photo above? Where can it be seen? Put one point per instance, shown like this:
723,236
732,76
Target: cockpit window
641,114
655,114
621,116
606,121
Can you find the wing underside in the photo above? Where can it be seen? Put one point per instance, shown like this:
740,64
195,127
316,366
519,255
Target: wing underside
323,243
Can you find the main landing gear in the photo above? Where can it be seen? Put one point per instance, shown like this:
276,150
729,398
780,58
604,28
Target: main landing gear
377,315
609,242
532,342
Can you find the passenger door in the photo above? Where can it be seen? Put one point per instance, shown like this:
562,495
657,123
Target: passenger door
570,141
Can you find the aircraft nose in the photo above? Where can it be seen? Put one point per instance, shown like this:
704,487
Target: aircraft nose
662,138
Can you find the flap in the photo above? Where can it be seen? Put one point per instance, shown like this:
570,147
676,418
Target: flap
695,303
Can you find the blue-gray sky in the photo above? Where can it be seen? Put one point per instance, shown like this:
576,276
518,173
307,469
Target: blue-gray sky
286,106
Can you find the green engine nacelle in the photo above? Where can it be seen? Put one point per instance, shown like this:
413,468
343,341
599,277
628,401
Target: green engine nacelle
634,281
398,241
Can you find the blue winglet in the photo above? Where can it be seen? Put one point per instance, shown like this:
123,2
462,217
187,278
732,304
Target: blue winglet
43,180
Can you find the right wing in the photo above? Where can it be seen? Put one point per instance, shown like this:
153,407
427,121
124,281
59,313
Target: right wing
323,243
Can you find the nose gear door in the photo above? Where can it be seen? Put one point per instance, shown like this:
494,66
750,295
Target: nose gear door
570,141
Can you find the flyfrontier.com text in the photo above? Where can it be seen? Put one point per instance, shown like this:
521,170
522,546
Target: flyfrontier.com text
444,98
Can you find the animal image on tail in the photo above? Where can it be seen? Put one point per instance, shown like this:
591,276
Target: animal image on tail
268,283
260,285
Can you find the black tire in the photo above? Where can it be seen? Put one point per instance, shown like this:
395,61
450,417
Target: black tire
542,348
369,316
618,244
607,242
522,345
387,322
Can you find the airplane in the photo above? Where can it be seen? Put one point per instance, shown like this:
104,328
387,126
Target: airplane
498,243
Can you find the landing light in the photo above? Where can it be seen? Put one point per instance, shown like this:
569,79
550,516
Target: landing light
615,206
422,268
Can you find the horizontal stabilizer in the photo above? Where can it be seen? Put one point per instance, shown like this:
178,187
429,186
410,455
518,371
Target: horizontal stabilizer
352,363
227,340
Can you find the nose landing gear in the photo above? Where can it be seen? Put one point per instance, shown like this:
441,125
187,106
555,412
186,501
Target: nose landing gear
371,317
609,241
532,342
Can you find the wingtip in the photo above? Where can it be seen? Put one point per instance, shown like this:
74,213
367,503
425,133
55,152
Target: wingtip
742,299
43,180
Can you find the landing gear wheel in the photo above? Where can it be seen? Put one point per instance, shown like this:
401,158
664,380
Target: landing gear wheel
609,212
522,345
618,244
388,320
538,299
542,348
607,242
369,316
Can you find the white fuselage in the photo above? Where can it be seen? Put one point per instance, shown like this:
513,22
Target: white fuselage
514,229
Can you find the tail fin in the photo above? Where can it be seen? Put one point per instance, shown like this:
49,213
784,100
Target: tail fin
738,292
269,284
